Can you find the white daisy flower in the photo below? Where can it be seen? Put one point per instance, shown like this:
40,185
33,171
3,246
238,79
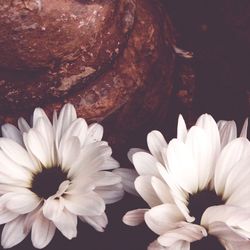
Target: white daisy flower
53,174
197,189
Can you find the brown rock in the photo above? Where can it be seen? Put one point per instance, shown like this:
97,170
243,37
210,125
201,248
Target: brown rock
131,95
49,47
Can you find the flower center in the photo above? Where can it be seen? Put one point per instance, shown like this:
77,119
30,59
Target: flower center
207,243
199,202
47,182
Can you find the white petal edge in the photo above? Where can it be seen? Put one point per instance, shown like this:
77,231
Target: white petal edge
11,132
42,231
244,129
181,129
13,232
163,218
128,178
134,217
144,187
156,142
99,223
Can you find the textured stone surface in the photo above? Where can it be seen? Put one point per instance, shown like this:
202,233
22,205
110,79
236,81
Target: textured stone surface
129,95
56,45
44,34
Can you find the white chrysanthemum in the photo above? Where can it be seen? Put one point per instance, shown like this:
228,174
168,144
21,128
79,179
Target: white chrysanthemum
197,186
53,174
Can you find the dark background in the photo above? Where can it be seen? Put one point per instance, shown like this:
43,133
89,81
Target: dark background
218,82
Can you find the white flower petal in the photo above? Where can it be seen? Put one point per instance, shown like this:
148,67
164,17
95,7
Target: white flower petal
66,117
156,246
224,232
184,210
132,151
145,164
78,128
6,188
164,156
6,215
66,222
80,186
181,129
181,165
23,125
30,218
202,154
94,133
105,178
176,190
11,132
39,148
230,155
232,215
37,114
54,121
144,187
207,123
179,245
7,180
128,178
42,231
20,203
221,124
16,153
37,165
68,152
63,187
109,163
244,129
156,142
163,218
239,197
11,169
13,232
235,245
44,127
228,132
236,180
91,159
52,207
110,194
162,190
188,232
89,204
97,222
134,217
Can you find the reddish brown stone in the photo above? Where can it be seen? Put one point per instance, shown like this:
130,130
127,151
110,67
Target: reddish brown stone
129,95
51,47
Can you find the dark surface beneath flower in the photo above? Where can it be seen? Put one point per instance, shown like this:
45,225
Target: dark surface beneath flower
199,202
207,243
47,182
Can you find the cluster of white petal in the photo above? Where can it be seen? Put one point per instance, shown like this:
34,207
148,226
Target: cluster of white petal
69,143
208,156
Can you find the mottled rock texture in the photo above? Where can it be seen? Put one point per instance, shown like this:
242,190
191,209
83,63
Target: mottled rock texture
112,59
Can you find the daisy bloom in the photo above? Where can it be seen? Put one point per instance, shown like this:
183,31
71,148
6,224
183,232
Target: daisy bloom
51,174
197,187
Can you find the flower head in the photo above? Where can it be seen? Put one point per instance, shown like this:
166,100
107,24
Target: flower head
197,186
52,174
